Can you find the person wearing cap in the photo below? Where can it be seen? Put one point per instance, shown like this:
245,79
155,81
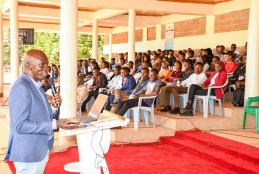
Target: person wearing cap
164,72
218,78
230,66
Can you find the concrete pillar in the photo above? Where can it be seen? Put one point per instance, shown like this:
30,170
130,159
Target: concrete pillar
131,35
68,62
158,32
252,80
1,56
95,40
110,46
14,39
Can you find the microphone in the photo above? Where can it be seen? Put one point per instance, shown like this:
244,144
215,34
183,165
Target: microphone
53,89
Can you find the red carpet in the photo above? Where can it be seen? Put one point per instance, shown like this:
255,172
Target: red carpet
187,152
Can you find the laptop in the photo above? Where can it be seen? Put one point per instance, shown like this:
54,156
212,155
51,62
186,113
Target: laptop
94,112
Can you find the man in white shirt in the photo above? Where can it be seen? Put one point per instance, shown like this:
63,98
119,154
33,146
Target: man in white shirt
234,49
197,78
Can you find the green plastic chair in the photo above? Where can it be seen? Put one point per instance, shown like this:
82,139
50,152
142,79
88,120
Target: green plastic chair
254,110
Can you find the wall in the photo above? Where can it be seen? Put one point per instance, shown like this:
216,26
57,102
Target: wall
228,25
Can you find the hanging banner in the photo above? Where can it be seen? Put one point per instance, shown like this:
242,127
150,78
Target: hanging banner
169,36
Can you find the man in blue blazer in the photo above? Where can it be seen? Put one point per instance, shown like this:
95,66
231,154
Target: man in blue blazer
128,83
31,117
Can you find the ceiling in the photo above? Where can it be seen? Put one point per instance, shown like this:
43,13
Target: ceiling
45,14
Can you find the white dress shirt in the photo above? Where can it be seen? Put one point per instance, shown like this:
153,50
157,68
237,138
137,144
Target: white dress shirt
196,79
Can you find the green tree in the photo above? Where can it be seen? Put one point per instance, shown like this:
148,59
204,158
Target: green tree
49,43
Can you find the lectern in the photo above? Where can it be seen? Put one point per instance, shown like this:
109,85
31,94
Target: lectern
93,142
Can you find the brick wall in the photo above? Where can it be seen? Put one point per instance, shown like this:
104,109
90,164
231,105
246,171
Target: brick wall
151,33
139,35
163,31
191,27
233,21
120,38
106,40
123,37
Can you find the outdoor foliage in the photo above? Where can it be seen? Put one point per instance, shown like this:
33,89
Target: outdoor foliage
49,43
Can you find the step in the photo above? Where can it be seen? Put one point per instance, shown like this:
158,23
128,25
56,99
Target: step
128,134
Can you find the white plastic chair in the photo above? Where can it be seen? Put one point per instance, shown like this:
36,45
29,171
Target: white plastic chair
209,100
145,110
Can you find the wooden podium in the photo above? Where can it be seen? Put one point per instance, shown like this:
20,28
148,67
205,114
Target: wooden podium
93,142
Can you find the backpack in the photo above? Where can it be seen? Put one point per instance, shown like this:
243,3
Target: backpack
238,97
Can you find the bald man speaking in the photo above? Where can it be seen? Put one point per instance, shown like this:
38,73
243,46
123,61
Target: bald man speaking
31,117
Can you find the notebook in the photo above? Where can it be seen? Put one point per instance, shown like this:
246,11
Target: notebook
94,112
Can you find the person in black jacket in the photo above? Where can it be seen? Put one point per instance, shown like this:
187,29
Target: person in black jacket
99,81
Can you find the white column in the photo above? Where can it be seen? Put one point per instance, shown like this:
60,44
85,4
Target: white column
1,56
68,63
95,40
110,46
252,80
144,37
158,32
68,57
14,39
131,35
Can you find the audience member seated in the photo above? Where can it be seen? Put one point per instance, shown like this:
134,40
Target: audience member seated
112,64
176,72
144,64
204,60
115,82
99,81
131,67
81,91
234,49
218,78
152,89
181,57
54,73
197,78
85,69
158,64
122,63
230,66
154,60
105,70
220,50
190,54
211,69
239,73
171,58
141,85
164,72
187,72
128,83
166,90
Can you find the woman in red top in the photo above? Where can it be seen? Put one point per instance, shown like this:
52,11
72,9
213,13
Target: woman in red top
177,70
218,78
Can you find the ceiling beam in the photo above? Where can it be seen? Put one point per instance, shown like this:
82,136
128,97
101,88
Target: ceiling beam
49,13
147,5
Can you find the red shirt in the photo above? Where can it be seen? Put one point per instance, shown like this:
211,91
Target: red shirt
230,67
174,75
98,80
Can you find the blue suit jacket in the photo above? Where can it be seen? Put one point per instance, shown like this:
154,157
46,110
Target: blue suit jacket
129,85
30,123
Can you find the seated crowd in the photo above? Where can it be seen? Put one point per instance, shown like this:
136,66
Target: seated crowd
157,73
